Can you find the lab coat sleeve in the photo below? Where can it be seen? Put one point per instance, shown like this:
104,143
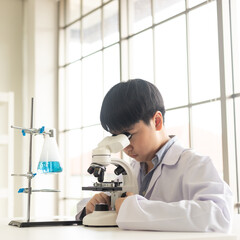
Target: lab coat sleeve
206,206
143,214
80,207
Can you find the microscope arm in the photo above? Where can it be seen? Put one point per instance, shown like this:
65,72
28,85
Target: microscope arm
129,179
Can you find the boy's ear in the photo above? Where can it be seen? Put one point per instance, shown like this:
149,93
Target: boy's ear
158,120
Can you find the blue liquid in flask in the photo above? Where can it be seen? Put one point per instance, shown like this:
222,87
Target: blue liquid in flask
49,167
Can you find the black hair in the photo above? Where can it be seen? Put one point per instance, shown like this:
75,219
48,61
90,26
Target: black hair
127,103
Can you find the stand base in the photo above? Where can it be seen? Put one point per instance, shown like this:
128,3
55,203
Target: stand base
21,224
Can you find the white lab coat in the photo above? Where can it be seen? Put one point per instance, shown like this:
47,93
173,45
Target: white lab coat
185,194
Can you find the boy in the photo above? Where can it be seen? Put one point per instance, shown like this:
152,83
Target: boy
179,190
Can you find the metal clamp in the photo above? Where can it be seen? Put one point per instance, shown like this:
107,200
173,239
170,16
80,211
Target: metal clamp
28,175
26,190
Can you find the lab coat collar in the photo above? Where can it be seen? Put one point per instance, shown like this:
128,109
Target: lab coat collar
164,149
175,150
171,158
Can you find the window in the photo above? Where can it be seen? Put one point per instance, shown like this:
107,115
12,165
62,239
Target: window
88,45
175,44
234,9
171,52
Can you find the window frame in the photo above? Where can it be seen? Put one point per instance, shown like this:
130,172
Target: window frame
226,71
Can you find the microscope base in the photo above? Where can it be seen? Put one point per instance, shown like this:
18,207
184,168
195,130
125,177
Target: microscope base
101,219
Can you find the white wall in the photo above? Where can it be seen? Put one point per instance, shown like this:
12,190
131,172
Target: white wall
28,67
45,89
11,68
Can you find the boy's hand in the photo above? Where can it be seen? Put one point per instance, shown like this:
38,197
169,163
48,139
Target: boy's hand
97,198
119,201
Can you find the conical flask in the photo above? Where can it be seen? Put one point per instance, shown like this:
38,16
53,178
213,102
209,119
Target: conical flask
50,159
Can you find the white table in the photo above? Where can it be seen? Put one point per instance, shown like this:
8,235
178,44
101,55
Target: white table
88,233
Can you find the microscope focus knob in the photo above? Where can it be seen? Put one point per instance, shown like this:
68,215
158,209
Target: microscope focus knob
101,207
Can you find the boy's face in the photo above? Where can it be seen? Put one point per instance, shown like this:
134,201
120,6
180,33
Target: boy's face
146,139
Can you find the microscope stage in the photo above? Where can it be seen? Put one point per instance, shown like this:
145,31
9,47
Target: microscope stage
102,188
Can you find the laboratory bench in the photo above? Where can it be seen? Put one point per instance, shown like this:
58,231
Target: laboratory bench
80,232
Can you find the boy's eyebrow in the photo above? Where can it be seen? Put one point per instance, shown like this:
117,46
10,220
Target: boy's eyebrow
127,134
124,131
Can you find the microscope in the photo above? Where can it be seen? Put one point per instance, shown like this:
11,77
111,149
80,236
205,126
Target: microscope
125,182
